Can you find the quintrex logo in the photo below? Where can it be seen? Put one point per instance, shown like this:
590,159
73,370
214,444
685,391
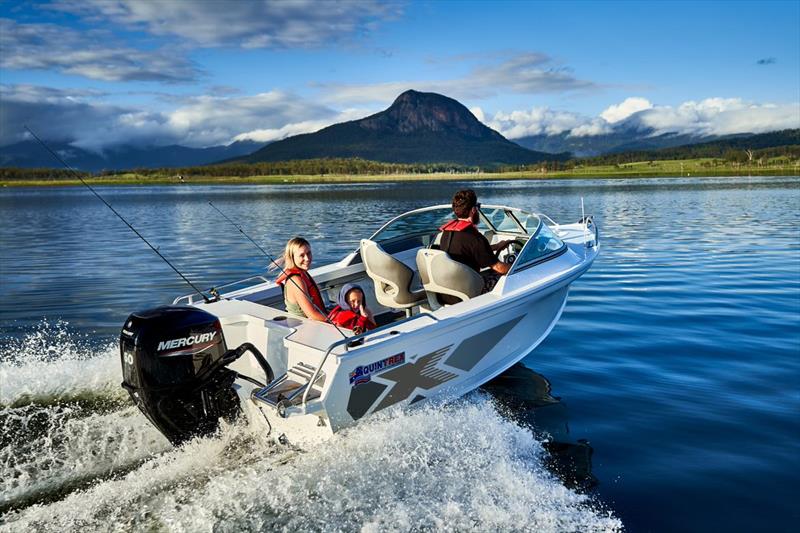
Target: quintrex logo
362,373
191,340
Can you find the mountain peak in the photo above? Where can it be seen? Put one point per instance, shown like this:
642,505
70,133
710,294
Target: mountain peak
416,97
415,111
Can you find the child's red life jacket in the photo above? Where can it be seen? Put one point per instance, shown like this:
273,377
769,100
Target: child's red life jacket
350,320
308,281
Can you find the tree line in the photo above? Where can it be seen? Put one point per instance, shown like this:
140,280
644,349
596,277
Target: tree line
300,167
733,155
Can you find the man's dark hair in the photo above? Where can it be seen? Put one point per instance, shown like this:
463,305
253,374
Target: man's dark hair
463,202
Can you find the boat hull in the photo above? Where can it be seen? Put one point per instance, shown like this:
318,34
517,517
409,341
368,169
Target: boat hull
441,361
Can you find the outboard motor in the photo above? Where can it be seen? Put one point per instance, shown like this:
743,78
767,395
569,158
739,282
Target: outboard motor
173,364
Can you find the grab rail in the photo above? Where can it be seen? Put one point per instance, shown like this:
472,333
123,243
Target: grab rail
190,297
588,221
349,342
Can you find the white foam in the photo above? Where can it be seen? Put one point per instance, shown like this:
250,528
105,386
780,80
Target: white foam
48,448
462,467
133,499
52,362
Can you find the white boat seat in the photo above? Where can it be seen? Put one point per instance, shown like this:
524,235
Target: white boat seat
442,275
392,278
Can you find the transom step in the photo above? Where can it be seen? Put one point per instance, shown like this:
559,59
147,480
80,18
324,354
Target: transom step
289,388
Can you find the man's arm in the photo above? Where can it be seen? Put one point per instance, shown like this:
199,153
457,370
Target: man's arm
486,258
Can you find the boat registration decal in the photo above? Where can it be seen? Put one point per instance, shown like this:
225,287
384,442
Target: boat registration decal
362,374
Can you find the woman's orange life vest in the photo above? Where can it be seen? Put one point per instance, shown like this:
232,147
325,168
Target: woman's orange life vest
308,281
457,225
350,320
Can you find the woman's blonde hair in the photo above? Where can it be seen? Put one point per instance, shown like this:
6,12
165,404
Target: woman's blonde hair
294,244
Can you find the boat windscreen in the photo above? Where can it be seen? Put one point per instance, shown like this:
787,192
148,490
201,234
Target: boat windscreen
530,221
415,224
543,245
505,221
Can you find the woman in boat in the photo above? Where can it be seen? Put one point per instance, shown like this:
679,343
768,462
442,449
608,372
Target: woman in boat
351,311
300,292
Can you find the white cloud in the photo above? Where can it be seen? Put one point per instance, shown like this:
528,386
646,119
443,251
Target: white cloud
85,120
59,115
525,73
93,54
596,126
296,128
242,23
712,116
720,116
206,120
628,107
544,121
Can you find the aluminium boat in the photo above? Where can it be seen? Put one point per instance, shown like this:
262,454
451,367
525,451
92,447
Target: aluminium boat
200,359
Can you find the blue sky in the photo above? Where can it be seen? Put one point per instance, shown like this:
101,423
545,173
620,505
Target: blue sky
204,72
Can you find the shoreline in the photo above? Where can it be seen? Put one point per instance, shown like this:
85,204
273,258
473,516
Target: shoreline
589,173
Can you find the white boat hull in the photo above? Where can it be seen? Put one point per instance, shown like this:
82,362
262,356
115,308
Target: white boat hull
314,380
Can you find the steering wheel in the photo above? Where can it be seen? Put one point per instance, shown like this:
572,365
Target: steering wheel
512,249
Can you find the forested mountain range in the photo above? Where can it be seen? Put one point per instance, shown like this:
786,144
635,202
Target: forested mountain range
622,139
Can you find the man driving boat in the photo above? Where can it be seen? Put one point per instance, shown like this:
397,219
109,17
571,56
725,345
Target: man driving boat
463,242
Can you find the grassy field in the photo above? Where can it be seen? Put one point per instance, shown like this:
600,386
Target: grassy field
670,168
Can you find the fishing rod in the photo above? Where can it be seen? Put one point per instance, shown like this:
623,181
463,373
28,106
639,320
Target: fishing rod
274,262
75,173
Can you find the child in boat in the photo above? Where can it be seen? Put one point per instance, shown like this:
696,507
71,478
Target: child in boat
352,311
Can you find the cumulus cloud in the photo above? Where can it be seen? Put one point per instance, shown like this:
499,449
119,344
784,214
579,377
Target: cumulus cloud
205,121
712,116
84,120
537,121
92,54
595,126
525,73
719,116
57,115
246,24
296,128
628,107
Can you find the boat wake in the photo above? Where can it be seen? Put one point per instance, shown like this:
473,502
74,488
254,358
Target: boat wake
52,365
77,455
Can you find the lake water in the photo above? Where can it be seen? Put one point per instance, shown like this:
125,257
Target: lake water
666,398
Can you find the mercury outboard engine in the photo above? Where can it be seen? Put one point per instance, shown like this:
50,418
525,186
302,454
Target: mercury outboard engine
173,364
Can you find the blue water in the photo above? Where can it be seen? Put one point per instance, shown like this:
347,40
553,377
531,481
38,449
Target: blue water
677,357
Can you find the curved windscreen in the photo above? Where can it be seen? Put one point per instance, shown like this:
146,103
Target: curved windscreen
415,223
541,245
414,229
529,221
419,228
507,221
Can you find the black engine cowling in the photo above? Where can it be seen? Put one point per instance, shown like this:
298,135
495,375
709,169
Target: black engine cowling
173,365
